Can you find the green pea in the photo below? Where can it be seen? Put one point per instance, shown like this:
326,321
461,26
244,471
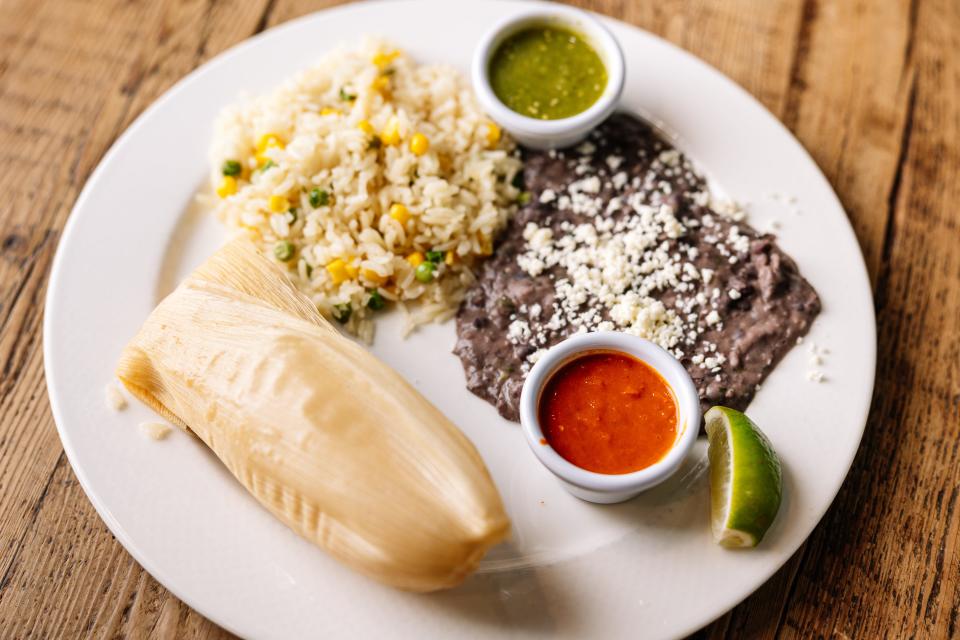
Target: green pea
349,97
424,272
523,198
376,301
232,168
283,250
319,198
342,312
435,256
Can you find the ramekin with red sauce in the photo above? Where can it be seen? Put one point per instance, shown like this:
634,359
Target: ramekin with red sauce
609,414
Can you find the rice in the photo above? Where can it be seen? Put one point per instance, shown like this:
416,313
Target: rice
341,132
114,399
155,430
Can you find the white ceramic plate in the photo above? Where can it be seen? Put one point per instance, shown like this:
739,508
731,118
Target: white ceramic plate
572,569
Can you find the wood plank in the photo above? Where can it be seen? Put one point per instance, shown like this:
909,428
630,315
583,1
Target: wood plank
73,75
286,10
44,132
886,561
74,580
750,41
848,103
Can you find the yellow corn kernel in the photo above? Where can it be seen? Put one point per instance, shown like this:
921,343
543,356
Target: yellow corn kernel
486,245
330,111
366,127
383,59
228,186
419,144
352,269
268,140
391,132
338,271
415,259
381,84
372,276
493,133
278,204
450,258
399,213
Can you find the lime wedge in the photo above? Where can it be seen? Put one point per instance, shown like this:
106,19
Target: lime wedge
745,480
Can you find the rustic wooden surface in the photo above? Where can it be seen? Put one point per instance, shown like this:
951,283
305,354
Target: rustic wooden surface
871,88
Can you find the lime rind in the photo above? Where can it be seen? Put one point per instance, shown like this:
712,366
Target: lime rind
745,478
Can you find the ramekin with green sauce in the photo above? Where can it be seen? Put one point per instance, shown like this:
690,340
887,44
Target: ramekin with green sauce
549,75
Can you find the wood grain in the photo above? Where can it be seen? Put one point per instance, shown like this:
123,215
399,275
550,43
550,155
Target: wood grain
872,89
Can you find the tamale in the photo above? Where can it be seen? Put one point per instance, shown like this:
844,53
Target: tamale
328,438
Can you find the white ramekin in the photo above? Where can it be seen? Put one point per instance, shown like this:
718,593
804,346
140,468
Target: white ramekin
550,134
602,487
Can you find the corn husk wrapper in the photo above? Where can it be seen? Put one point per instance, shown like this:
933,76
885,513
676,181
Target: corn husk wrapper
328,438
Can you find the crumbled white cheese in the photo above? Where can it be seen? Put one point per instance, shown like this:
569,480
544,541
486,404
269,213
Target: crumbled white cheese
729,208
671,157
590,185
618,255
737,240
548,195
701,198
536,355
712,362
519,331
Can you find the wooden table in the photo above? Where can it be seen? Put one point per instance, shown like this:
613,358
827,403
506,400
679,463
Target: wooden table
870,87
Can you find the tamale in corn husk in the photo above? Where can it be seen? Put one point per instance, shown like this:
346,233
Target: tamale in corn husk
328,438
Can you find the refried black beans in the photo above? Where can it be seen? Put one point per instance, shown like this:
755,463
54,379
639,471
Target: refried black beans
621,233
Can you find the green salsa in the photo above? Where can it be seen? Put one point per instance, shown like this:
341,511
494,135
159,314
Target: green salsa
547,73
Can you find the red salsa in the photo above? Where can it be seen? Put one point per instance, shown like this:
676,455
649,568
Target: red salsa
608,412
